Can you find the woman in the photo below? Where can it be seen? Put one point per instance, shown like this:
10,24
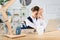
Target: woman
31,20
41,22
36,20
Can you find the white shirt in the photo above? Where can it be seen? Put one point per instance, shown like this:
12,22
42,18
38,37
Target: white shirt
28,23
39,24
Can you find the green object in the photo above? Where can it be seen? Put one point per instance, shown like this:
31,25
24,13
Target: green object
3,1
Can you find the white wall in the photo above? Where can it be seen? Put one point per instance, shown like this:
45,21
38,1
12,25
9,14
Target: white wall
51,7
17,5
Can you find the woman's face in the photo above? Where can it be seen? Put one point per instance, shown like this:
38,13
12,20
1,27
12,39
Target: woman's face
40,12
34,14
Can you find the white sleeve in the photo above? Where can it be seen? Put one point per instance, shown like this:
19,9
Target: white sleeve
28,23
40,26
42,23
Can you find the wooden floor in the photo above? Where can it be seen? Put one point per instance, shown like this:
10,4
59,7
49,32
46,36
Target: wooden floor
52,25
52,33
55,35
